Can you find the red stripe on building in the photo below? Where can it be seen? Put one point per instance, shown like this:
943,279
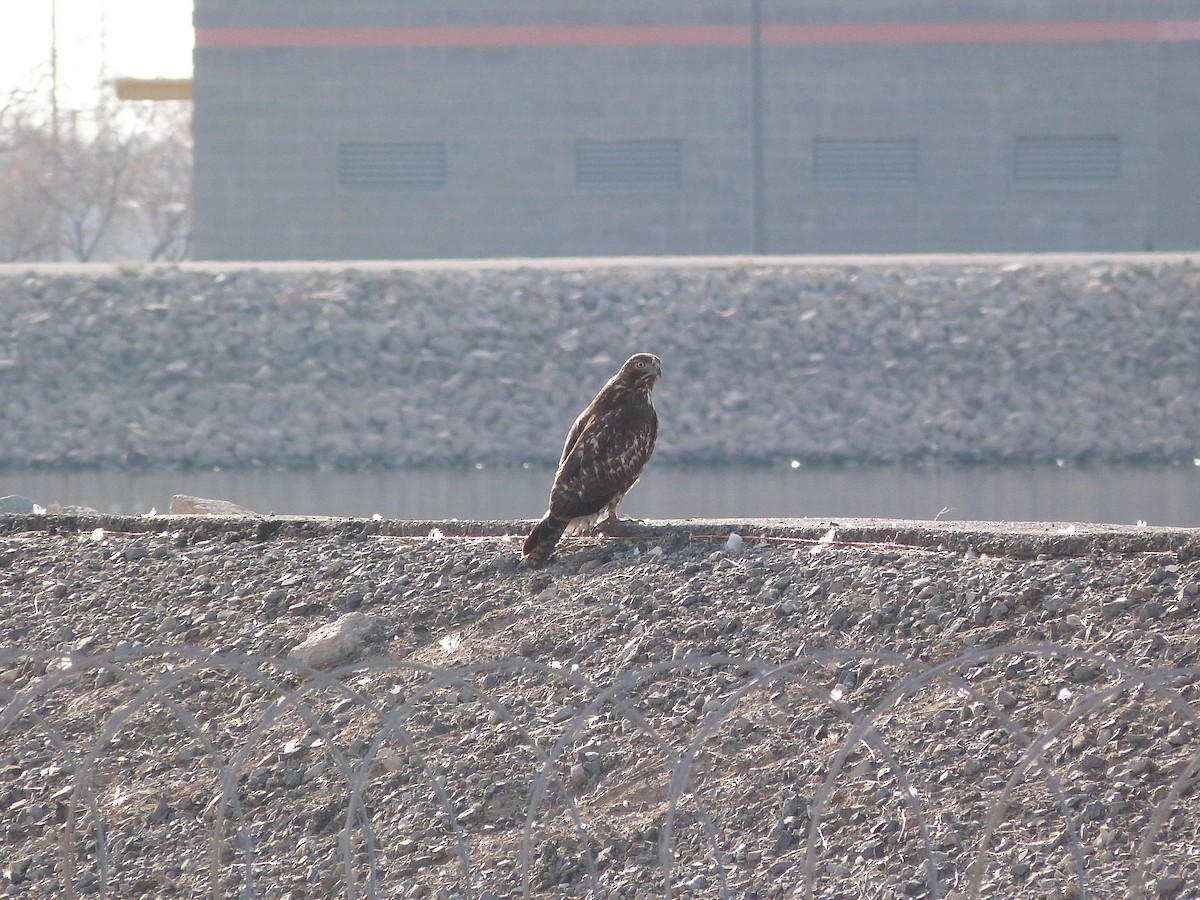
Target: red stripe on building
702,35
960,32
1179,31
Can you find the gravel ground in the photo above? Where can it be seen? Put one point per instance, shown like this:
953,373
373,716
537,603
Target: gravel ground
945,360
752,709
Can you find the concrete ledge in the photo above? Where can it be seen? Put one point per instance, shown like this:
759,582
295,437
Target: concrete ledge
563,263
1008,539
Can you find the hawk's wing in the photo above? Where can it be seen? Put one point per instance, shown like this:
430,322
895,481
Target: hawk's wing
577,428
605,452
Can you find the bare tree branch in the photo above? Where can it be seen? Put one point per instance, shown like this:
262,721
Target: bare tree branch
114,182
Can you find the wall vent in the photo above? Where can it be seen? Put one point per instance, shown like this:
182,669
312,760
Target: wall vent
651,163
873,162
379,164
1080,158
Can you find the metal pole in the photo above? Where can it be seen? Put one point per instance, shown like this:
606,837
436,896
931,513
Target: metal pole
54,70
56,236
759,238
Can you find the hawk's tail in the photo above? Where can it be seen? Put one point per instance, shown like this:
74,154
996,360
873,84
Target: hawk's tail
540,543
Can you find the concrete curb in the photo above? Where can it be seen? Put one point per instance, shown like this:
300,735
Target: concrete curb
1008,539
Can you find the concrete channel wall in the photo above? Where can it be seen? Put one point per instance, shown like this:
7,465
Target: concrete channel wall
954,359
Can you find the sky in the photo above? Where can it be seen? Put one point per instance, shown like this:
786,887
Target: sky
96,39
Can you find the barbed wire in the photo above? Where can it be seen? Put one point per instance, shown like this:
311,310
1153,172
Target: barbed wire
698,776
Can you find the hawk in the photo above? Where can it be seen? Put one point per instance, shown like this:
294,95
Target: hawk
604,454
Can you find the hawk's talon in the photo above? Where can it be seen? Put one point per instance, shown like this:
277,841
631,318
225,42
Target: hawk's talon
617,527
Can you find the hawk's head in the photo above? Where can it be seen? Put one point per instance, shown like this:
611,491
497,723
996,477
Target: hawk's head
641,370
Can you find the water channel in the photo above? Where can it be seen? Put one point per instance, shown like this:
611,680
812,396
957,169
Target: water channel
1156,495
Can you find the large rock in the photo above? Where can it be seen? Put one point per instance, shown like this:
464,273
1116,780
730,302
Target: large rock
335,642
186,505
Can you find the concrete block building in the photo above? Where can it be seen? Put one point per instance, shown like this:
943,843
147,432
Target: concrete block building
354,129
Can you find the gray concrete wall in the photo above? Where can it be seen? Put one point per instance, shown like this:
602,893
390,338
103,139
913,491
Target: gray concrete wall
1178,185
966,117
269,122
834,360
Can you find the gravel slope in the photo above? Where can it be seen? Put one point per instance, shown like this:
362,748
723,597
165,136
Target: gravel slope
944,359
856,709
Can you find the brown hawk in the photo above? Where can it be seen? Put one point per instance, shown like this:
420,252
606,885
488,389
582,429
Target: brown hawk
604,454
